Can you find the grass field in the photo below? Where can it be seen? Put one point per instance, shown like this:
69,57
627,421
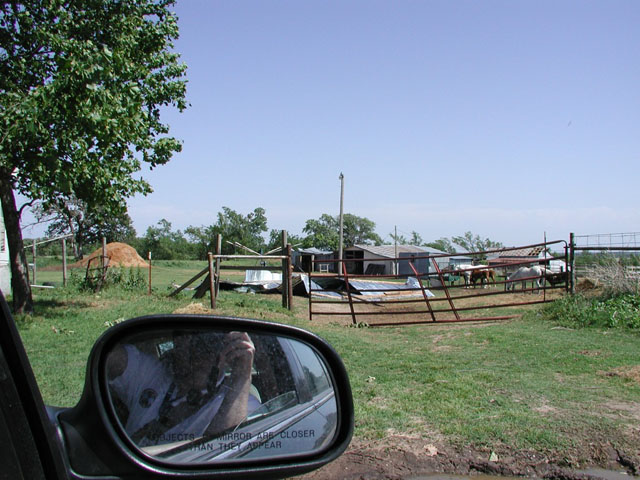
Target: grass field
164,273
525,384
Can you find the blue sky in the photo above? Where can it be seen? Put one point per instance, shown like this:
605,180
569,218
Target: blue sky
505,118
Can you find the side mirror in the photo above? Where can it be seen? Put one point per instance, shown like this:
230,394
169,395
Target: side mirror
180,394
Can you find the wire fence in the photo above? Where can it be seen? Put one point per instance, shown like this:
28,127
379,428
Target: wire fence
604,259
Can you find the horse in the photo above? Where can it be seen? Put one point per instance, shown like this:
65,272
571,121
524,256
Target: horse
472,273
464,272
484,275
523,274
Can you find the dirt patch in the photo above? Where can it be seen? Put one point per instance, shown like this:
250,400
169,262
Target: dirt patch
632,373
195,308
545,408
590,353
119,254
588,285
415,310
406,456
628,409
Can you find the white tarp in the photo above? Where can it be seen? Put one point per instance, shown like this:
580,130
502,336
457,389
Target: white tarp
262,276
372,288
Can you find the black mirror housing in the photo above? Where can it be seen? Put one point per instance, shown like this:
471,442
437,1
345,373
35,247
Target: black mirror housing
97,443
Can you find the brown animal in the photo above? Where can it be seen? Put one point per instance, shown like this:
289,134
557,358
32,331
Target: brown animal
484,275
555,278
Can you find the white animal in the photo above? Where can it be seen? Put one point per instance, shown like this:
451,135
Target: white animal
464,270
524,274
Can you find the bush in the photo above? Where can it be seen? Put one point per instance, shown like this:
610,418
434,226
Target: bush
612,310
128,279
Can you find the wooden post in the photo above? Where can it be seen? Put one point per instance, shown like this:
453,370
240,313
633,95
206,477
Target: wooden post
104,252
64,262
218,260
189,282
212,282
544,277
567,280
33,250
341,228
572,263
395,250
346,282
285,276
149,273
310,291
289,278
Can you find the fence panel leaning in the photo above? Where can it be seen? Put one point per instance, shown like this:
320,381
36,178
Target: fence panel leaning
269,262
440,288
610,260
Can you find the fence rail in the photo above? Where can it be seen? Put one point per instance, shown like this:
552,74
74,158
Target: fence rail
444,292
616,247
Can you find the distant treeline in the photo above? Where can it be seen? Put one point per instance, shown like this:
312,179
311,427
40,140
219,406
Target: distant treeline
250,230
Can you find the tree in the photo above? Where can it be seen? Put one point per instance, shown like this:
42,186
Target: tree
73,217
275,239
202,239
442,244
323,233
81,88
165,244
416,239
245,230
360,231
399,239
473,243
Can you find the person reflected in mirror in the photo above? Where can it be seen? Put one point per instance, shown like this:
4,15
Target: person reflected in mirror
197,384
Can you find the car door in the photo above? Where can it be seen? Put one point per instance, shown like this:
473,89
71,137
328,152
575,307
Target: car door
88,441
28,449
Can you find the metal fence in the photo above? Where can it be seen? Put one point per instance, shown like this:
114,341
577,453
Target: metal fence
610,260
495,286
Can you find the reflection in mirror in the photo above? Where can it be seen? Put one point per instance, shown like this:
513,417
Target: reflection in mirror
193,396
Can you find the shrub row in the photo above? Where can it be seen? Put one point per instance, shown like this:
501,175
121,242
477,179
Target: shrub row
618,310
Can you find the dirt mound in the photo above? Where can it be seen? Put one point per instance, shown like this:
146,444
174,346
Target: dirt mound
586,284
401,457
120,254
632,373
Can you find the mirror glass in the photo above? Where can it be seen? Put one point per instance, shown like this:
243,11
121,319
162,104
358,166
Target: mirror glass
206,396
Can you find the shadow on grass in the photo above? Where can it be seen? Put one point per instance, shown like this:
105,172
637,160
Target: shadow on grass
44,307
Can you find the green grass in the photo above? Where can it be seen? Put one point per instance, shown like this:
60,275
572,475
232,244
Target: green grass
508,383
164,273
524,383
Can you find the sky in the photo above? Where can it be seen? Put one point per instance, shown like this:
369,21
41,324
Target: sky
509,119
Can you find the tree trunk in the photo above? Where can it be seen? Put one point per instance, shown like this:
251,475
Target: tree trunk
77,242
74,244
21,289
79,248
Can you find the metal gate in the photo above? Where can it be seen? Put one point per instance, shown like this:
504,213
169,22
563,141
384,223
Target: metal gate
494,285
610,258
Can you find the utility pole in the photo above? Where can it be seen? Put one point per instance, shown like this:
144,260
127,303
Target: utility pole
340,239
395,249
